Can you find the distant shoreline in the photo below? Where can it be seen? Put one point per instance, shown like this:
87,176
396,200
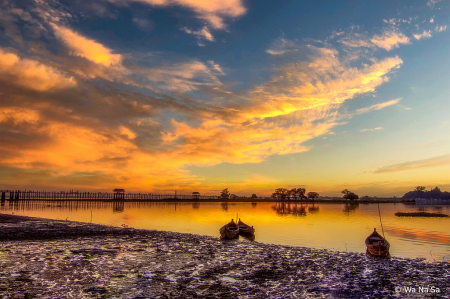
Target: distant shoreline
238,200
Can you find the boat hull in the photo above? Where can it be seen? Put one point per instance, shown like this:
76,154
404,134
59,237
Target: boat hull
377,245
229,231
378,250
245,229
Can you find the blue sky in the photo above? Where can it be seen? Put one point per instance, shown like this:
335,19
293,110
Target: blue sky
163,95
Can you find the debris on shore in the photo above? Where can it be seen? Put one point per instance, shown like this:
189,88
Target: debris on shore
64,259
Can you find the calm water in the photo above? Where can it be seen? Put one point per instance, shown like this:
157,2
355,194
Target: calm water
333,226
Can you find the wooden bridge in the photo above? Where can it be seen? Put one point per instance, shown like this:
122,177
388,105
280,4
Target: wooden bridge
118,194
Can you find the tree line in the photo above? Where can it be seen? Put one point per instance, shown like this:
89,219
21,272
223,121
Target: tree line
420,192
283,193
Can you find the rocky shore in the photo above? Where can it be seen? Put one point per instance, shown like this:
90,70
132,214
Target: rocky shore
41,258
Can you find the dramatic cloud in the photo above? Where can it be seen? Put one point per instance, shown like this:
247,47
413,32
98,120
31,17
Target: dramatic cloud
425,34
411,165
84,47
213,11
31,74
389,40
324,80
138,119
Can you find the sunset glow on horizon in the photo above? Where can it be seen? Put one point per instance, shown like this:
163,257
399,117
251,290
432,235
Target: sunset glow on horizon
190,95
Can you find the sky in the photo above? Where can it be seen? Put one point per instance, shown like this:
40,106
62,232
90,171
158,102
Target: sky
202,95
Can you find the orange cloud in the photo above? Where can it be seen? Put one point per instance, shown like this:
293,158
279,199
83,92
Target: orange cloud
322,81
84,47
31,74
121,138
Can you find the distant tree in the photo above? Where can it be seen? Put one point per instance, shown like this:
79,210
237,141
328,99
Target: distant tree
349,195
225,194
420,188
313,195
301,193
292,193
280,193
254,196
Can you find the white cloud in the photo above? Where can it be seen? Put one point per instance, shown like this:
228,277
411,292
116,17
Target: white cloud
201,34
432,20
371,130
378,106
282,46
440,28
425,34
432,3
389,40
216,67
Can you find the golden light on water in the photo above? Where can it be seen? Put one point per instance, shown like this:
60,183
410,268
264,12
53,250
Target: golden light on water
341,227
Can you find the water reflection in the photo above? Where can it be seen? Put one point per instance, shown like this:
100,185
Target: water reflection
313,209
224,206
317,225
351,207
118,207
284,209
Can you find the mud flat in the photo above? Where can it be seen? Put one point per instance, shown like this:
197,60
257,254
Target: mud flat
41,258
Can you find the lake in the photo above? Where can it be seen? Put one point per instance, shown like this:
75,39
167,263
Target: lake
341,227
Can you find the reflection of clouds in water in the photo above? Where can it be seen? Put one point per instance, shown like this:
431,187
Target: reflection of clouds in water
129,219
420,236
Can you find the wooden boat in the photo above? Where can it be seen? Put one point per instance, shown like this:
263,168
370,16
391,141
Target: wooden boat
377,245
245,229
229,230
